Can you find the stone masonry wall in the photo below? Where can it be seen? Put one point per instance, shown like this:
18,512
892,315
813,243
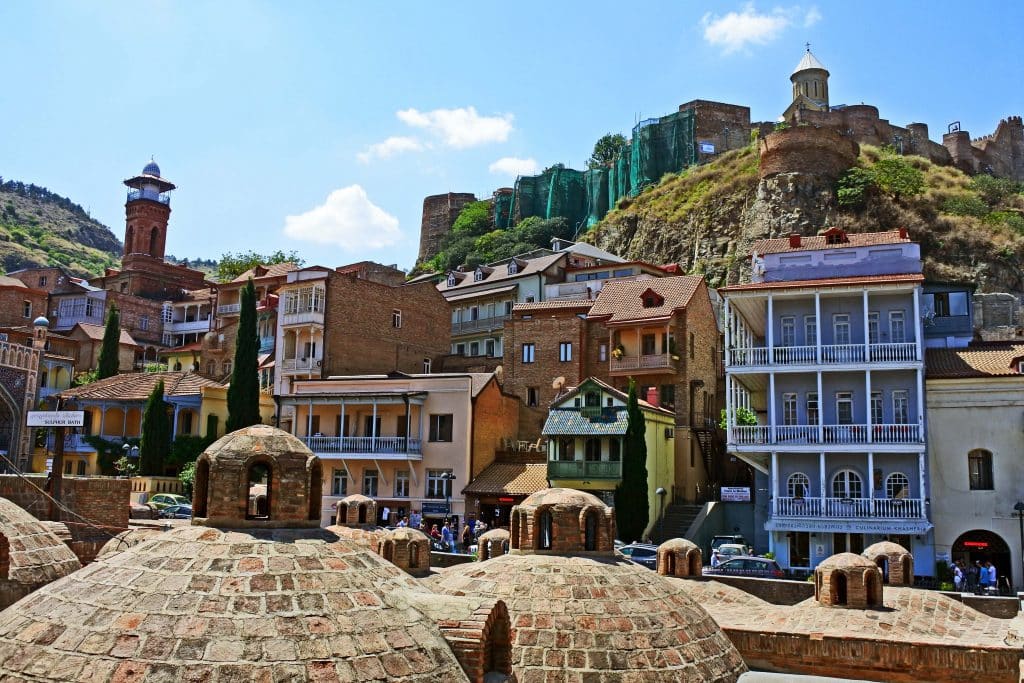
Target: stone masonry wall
726,126
139,317
439,213
807,150
12,306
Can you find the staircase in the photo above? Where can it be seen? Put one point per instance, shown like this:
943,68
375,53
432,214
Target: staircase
711,447
677,521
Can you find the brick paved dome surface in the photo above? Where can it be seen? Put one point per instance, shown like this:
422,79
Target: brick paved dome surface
30,554
845,561
129,539
597,618
560,497
208,604
884,548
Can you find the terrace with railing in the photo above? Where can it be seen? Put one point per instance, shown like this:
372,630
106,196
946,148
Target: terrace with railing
365,445
827,354
796,435
849,508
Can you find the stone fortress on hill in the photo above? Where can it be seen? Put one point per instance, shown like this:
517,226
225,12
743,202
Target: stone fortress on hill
819,138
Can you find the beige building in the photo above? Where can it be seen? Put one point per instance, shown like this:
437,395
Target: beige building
975,402
410,442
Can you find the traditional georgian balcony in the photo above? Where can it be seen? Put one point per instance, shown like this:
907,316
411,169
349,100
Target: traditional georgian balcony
849,508
798,435
831,354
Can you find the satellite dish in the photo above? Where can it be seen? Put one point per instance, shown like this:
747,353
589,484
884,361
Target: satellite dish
499,372
558,383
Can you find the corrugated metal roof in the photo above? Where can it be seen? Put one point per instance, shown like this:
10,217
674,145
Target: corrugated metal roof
809,61
572,422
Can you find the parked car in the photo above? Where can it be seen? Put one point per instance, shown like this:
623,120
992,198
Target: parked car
643,554
176,512
745,565
729,550
719,540
162,500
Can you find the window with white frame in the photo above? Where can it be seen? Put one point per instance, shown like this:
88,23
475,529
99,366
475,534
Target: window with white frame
787,330
900,407
478,275
339,483
528,352
451,280
396,318
897,327
844,407
789,415
847,484
439,486
370,480
602,352
402,484
810,330
474,348
513,267
427,363
812,407
877,416
144,322
798,485
26,309
841,329
304,300
897,485
873,327
564,351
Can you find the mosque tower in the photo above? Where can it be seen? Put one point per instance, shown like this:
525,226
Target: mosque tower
147,212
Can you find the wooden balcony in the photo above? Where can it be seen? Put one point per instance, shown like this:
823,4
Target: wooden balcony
849,508
584,469
831,354
658,362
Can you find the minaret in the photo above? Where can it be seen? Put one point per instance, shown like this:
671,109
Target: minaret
810,79
147,212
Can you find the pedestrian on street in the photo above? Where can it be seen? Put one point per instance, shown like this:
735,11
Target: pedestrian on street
415,519
958,576
447,537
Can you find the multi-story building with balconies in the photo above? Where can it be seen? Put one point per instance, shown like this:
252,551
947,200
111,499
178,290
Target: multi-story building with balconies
825,392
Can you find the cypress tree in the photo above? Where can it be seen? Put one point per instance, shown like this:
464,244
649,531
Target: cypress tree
155,444
632,511
108,361
244,390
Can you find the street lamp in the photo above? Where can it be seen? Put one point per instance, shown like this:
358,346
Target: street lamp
1019,509
448,479
130,451
661,517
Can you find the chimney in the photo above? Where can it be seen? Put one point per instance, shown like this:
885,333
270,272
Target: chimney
903,233
794,240
652,396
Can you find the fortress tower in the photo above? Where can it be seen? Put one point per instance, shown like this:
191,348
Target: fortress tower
810,85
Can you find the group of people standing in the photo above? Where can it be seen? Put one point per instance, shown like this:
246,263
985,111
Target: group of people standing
979,577
447,534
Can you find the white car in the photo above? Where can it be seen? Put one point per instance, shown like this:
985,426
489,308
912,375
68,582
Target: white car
727,550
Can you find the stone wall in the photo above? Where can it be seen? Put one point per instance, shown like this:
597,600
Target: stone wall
862,124
1000,154
775,591
439,213
103,501
726,126
808,150
12,305
997,317
140,317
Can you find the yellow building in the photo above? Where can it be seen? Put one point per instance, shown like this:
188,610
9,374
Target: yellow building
183,358
586,431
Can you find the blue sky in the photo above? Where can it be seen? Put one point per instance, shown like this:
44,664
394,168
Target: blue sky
320,126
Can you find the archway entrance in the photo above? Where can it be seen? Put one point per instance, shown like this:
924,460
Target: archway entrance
9,431
980,545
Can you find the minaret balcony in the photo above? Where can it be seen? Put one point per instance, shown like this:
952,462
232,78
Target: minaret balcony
152,195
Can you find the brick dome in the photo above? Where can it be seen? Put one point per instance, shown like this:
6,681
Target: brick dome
848,580
199,603
597,618
895,562
356,509
680,557
492,544
31,555
562,521
129,539
408,549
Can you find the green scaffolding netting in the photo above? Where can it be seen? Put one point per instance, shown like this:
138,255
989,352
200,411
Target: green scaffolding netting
658,146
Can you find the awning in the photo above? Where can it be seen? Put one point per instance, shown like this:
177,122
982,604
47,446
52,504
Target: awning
480,294
510,479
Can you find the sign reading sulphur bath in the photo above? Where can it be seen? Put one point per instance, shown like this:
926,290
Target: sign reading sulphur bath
56,418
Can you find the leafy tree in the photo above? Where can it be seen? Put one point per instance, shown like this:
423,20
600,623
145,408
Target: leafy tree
187,477
897,177
244,390
632,510
995,190
155,446
474,219
854,187
108,361
606,150
232,265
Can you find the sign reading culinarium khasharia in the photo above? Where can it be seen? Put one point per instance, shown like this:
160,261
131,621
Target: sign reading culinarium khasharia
55,418
896,526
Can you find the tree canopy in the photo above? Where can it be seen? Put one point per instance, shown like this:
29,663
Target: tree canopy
481,243
109,363
606,150
155,445
632,509
244,390
231,264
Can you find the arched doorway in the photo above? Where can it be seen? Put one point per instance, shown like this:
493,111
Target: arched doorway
979,545
10,420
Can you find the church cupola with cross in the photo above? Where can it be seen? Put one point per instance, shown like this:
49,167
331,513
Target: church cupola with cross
147,212
810,82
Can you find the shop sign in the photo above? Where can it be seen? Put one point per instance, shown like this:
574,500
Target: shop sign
735,494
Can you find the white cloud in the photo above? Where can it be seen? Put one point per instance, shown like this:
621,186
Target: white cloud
513,166
460,128
396,144
348,219
736,31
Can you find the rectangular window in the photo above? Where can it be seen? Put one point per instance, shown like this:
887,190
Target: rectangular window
531,397
528,351
799,549
427,363
441,427
439,486
371,425
667,393
841,329
396,318
144,322
26,309
565,351
897,327
844,407
508,308
42,280
873,327
648,344
900,407
787,331
877,416
460,349
474,348
789,415
602,352
693,344
489,347
339,483
810,330
370,483
979,465
402,484
945,304
474,313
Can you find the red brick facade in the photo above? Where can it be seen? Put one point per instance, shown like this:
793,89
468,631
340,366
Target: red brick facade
20,305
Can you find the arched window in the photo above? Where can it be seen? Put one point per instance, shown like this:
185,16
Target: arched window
315,486
362,514
798,485
388,552
544,524
260,481
837,588
129,235
154,235
847,484
202,482
414,556
897,485
979,468
590,531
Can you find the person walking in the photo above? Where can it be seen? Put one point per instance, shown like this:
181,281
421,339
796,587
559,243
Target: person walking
993,585
447,537
958,576
467,537
974,577
415,519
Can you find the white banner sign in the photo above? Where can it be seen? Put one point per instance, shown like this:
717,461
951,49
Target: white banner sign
735,494
56,418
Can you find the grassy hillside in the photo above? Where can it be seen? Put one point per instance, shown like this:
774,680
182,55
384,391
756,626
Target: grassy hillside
38,228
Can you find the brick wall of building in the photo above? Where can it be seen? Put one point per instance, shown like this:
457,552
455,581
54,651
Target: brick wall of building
495,418
360,337
13,305
809,150
47,279
149,277
726,126
139,317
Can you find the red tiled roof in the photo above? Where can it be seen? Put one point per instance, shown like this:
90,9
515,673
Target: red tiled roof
510,479
556,303
778,245
95,332
622,301
273,270
827,282
986,359
137,386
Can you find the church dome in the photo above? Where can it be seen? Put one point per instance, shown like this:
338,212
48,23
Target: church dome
151,169
41,321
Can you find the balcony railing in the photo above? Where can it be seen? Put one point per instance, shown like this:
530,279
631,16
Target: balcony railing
847,508
584,469
480,325
185,327
228,309
69,321
796,435
363,444
162,197
647,362
304,317
830,354
301,364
